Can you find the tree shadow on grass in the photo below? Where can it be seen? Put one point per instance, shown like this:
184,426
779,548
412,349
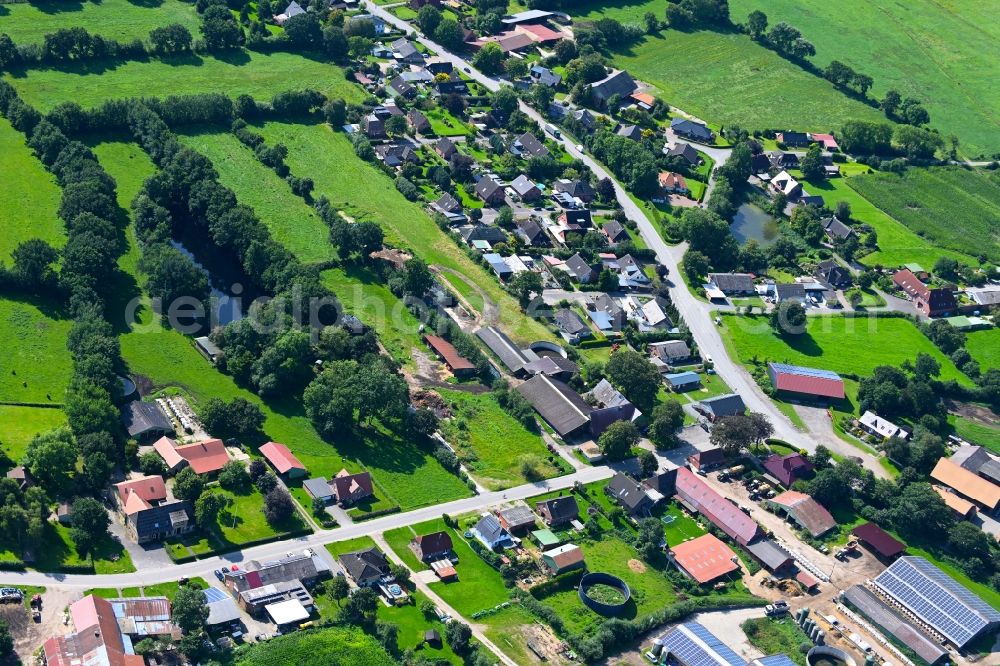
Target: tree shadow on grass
56,6
237,57
149,4
803,343
183,60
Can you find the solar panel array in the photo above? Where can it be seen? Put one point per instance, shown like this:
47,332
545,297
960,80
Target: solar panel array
774,660
213,594
805,372
937,599
693,645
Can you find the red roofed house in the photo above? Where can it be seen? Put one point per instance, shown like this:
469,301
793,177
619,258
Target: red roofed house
826,140
351,488
704,559
458,364
805,511
932,302
643,100
283,460
806,381
671,183
538,33
148,489
788,469
97,641
206,457
696,495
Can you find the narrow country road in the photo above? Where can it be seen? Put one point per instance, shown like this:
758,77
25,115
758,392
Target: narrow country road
205,567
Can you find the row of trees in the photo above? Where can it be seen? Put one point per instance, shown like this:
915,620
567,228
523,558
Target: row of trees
869,138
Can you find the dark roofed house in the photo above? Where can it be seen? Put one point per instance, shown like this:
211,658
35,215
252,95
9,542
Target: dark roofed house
580,217
720,406
433,546
558,511
490,191
395,155
560,406
834,274
145,420
398,86
489,532
449,206
788,469
367,567
552,366
525,188
782,160
578,189
760,163
790,291
418,121
733,283
528,145
516,518
633,132
156,523
21,476
351,488
835,229
692,130
373,126
630,494
571,326
617,83
445,147
793,139
615,232
580,269
483,232
685,151
406,51
531,233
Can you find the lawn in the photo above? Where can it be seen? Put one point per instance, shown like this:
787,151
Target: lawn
479,586
19,426
940,53
350,545
977,433
31,195
897,244
984,347
682,526
953,208
365,193
363,294
709,70
243,72
412,625
130,166
842,344
56,551
244,521
651,590
292,222
494,445
445,124
776,636
122,20
35,365
351,646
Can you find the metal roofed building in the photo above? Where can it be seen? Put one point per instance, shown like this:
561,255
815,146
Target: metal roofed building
878,540
807,381
933,598
145,419
978,460
536,15
704,559
221,607
698,496
691,644
516,518
560,406
287,612
770,554
504,348
864,600
807,513
773,660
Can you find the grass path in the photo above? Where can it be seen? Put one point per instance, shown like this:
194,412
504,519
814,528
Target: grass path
257,74
31,195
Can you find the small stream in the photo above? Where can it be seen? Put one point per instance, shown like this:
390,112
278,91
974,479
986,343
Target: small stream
751,222
226,296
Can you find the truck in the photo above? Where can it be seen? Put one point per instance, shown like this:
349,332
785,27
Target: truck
553,130
776,609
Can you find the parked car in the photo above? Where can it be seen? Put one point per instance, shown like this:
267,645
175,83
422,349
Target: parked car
218,574
779,607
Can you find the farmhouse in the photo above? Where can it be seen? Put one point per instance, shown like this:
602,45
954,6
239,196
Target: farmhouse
634,497
558,511
969,485
781,160
457,364
283,460
206,457
563,558
793,139
785,184
433,546
978,460
805,511
367,568
806,381
538,33
832,273
297,568
691,129
789,468
704,559
350,488
698,497
932,302
618,83
609,406
720,406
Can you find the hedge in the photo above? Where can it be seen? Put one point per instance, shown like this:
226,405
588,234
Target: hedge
375,514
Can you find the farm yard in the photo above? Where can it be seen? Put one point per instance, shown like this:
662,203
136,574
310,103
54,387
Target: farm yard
939,53
952,207
251,73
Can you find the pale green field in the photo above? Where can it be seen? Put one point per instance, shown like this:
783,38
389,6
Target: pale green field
122,20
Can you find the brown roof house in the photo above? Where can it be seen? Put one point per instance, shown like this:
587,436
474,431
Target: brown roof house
563,558
558,511
932,302
352,488
433,546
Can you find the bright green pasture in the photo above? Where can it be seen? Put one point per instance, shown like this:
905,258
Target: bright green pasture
365,193
31,195
35,365
952,207
984,347
292,222
242,72
122,20
20,425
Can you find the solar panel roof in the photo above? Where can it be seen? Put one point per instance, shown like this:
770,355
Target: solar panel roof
774,660
693,645
937,599
214,594
805,372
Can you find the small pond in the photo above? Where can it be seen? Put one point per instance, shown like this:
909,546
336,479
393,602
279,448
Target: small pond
751,222
228,305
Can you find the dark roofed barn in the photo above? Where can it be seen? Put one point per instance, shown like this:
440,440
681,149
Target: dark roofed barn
145,420
560,406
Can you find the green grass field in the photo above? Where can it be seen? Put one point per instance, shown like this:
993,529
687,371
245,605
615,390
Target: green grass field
651,590
364,295
951,207
257,74
35,365
976,432
19,426
941,53
726,78
492,444
479,586
292,222
31,195
897,243
351,645
365,193
412,625
984,347
682,528
841,344
123,20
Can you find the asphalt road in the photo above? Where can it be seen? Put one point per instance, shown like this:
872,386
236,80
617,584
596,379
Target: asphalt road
205,567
